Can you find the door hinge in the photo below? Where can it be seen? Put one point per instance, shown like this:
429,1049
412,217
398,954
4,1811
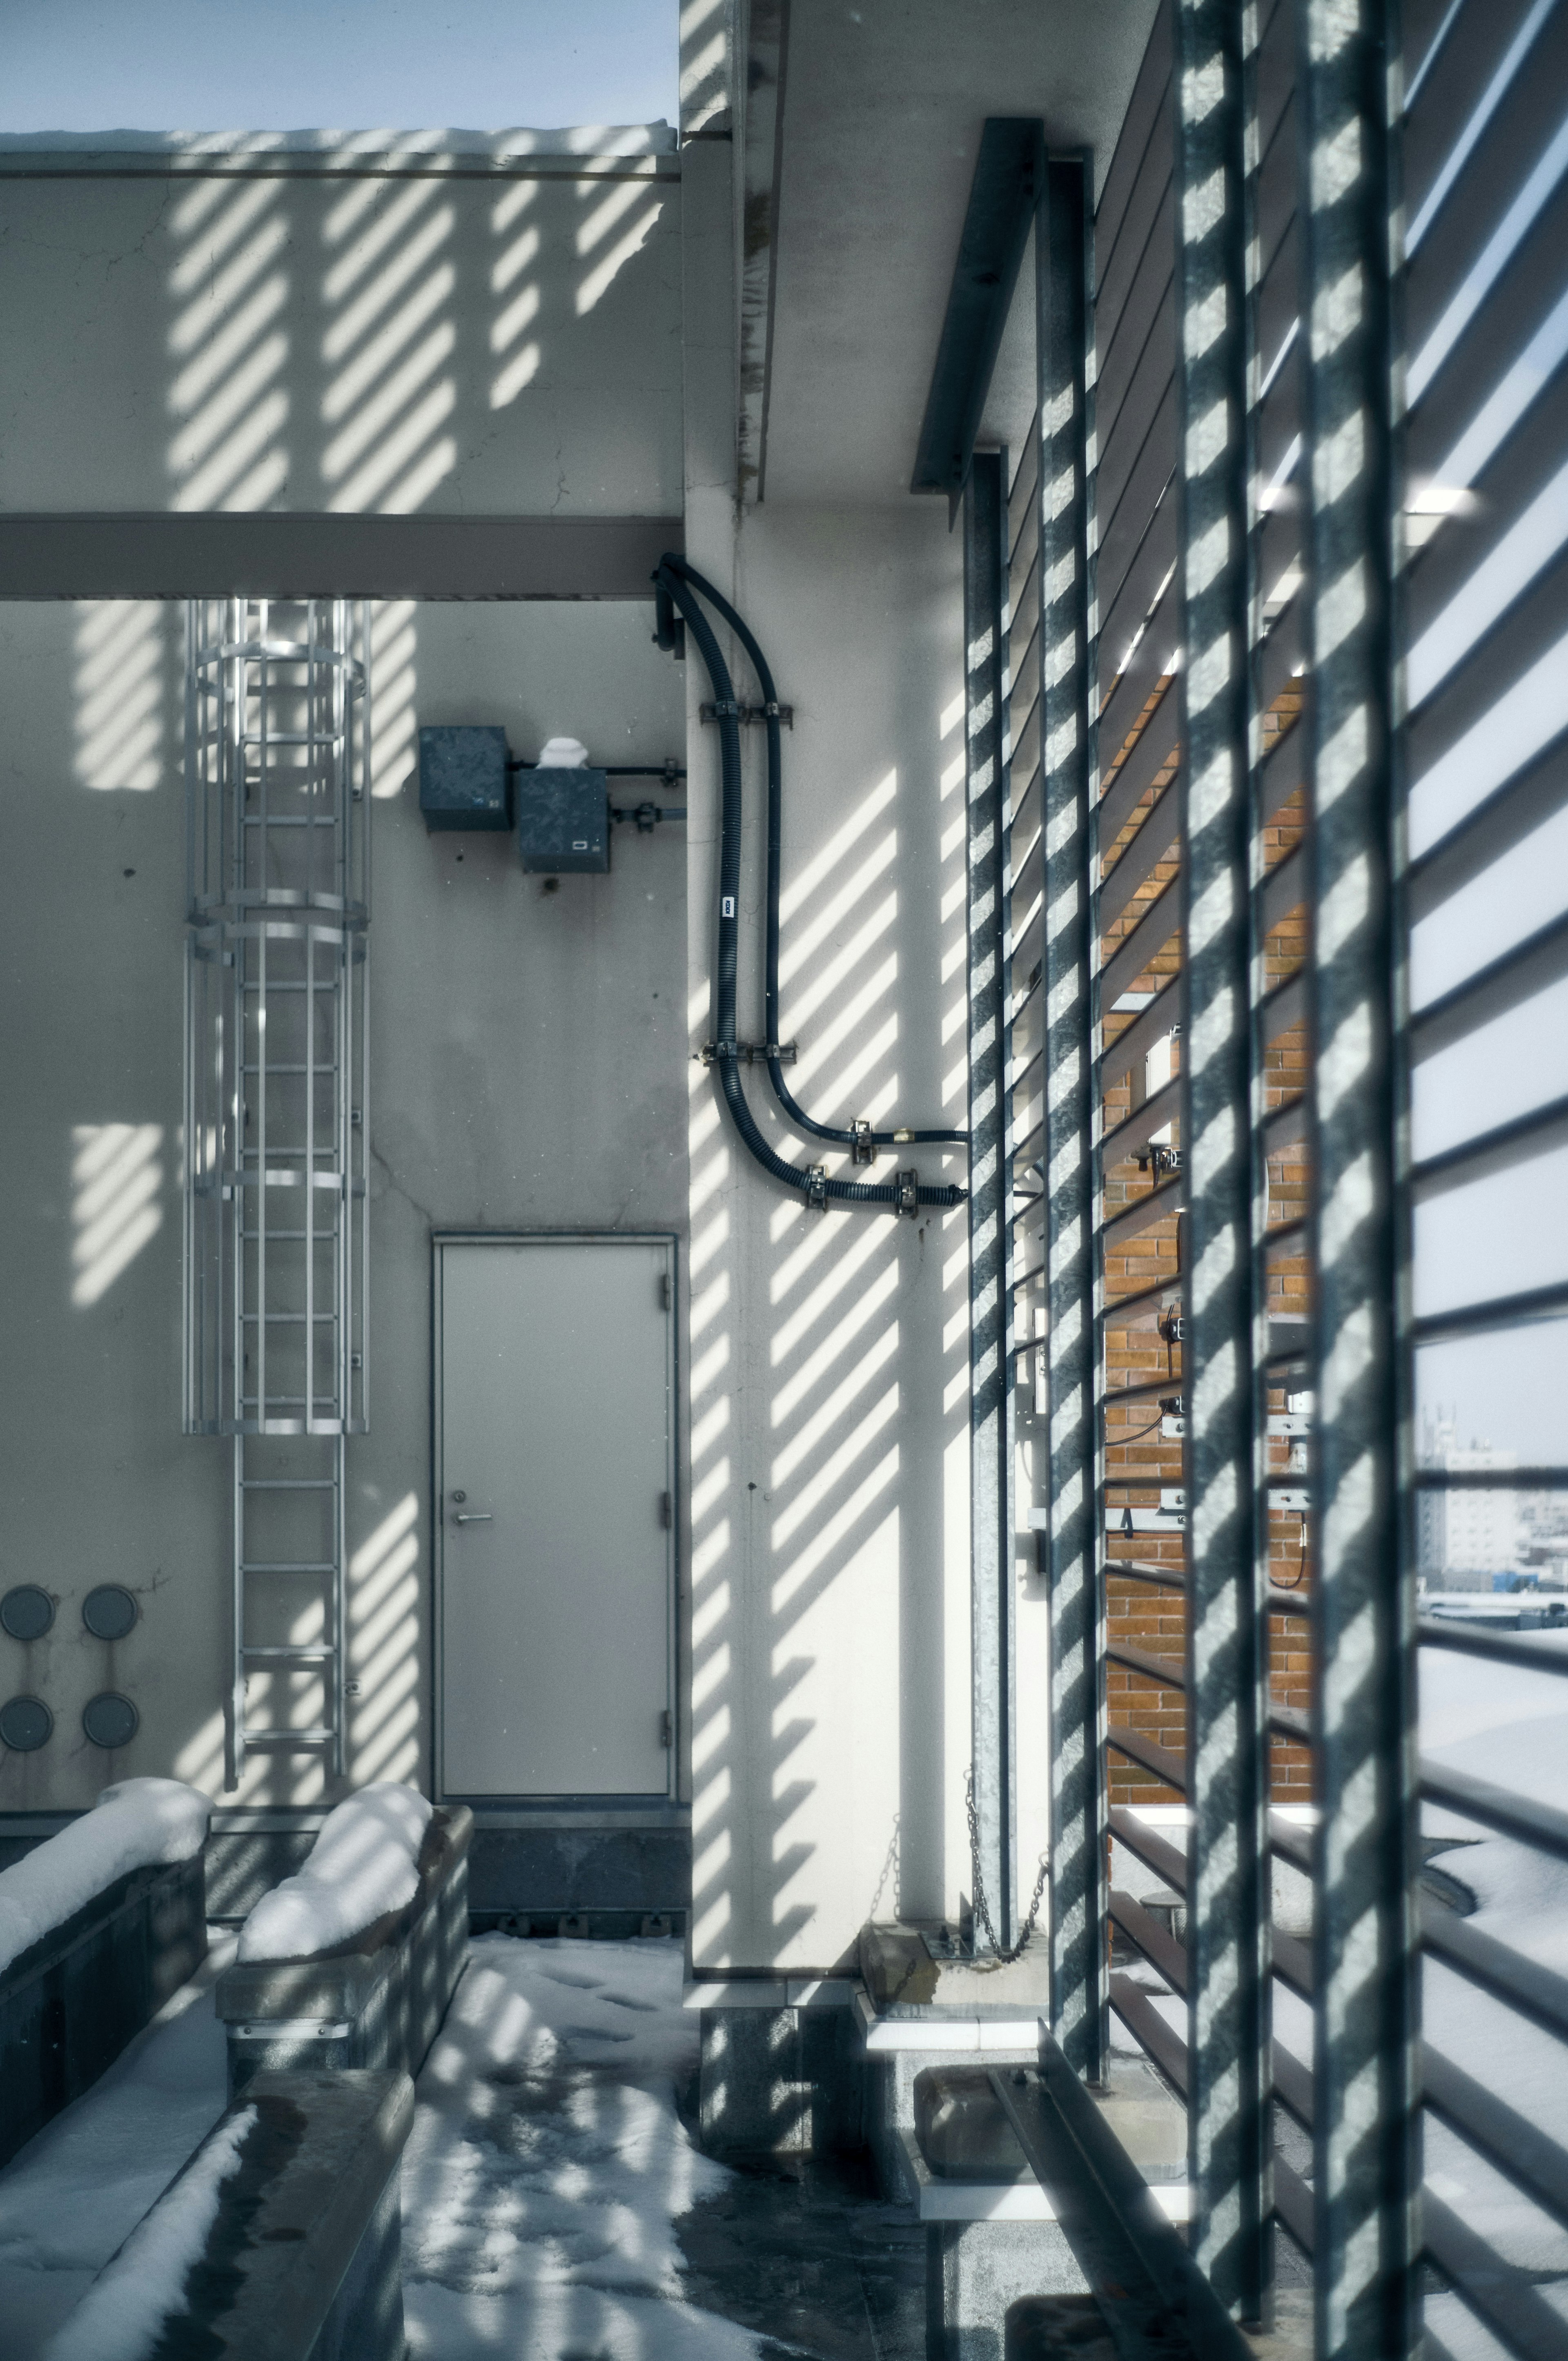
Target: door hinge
666,1511
666,1729
666,1292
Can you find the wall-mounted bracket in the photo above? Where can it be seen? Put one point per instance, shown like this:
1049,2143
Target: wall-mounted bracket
748,1053
746,714
646,815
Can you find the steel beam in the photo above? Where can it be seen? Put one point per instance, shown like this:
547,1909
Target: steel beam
1069,1551
1003,195
1230,2139
1367,2066
1155,2300
990,1234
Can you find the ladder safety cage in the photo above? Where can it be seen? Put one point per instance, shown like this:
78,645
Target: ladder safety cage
275,1247
1284,920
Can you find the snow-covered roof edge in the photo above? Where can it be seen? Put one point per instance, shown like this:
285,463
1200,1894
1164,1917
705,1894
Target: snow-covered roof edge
580,140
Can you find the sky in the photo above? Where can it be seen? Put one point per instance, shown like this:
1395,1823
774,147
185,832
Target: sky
282,65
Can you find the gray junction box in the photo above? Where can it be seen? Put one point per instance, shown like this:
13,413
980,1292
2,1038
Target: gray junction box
464,778
563,821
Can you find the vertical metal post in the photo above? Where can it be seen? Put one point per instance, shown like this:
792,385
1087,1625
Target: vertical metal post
991,1390
1366,2132
1070,1548
1228,1953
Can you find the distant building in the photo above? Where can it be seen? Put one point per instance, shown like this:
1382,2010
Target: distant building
1461,1533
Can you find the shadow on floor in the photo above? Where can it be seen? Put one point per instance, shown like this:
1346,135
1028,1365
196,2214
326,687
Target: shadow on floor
804,2251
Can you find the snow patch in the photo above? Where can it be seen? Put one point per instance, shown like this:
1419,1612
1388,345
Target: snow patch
361,1867
547,2165
122,2315
137,1823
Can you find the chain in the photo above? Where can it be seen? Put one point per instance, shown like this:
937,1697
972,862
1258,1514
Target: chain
981,1907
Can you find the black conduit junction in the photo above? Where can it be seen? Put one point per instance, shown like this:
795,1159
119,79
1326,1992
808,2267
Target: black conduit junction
677,586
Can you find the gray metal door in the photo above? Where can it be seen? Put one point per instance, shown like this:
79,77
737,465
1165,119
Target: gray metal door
554,1468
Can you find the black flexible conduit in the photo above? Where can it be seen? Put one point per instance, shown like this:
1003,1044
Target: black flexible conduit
678,586
782,1092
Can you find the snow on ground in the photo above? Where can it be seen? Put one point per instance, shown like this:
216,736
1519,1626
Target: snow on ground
138,1824
77,2190
1509,1726
360,1868
121,2314
547,2165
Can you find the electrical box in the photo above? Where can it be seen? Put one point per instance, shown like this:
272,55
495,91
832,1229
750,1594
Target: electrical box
464,782
563,821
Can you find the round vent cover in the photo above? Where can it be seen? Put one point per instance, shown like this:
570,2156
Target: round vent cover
27,1612
110,1719
25,1724
109,1611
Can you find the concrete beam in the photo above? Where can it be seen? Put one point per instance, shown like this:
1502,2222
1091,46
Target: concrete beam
281,555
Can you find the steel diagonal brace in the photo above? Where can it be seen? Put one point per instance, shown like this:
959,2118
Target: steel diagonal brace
1157,2303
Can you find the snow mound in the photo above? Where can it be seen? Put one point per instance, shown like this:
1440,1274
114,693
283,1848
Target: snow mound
361,1868
121,2316
137,1823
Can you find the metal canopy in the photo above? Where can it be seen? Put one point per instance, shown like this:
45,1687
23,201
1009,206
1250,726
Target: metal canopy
1009,174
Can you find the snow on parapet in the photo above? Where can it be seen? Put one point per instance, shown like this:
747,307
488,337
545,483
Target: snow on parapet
361,1867
121,2316
579,139
138,1824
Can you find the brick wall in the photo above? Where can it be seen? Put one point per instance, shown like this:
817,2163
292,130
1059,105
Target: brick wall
1139,1458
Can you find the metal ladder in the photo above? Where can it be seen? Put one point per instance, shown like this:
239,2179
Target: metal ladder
277,742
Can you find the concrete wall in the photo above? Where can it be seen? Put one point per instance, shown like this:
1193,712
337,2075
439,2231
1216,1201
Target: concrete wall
528,1053
828,1357
385,343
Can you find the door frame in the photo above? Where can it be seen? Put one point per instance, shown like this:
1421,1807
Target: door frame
440,1240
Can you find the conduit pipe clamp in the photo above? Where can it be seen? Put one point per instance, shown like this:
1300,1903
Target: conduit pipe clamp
748,1053
816,1186
862,1147
722,708
909,1194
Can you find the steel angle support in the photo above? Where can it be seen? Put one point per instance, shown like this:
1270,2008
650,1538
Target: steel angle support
1070,1553
990,1235
1366,2054
1003,195
1156,2299
1230,2139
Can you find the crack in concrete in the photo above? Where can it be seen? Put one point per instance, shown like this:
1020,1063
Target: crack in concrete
396,1186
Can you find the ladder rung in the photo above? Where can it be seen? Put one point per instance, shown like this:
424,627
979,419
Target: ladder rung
296,1401
292,1655
287,1483
291,1068
287,1565
286,1319
287,1741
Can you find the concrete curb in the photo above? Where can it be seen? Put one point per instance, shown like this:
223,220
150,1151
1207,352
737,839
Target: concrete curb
69,2004
302,2262
375,2002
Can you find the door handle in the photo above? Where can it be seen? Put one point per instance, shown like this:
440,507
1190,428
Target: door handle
473,1517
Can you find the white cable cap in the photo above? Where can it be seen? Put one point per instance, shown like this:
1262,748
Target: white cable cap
563,754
